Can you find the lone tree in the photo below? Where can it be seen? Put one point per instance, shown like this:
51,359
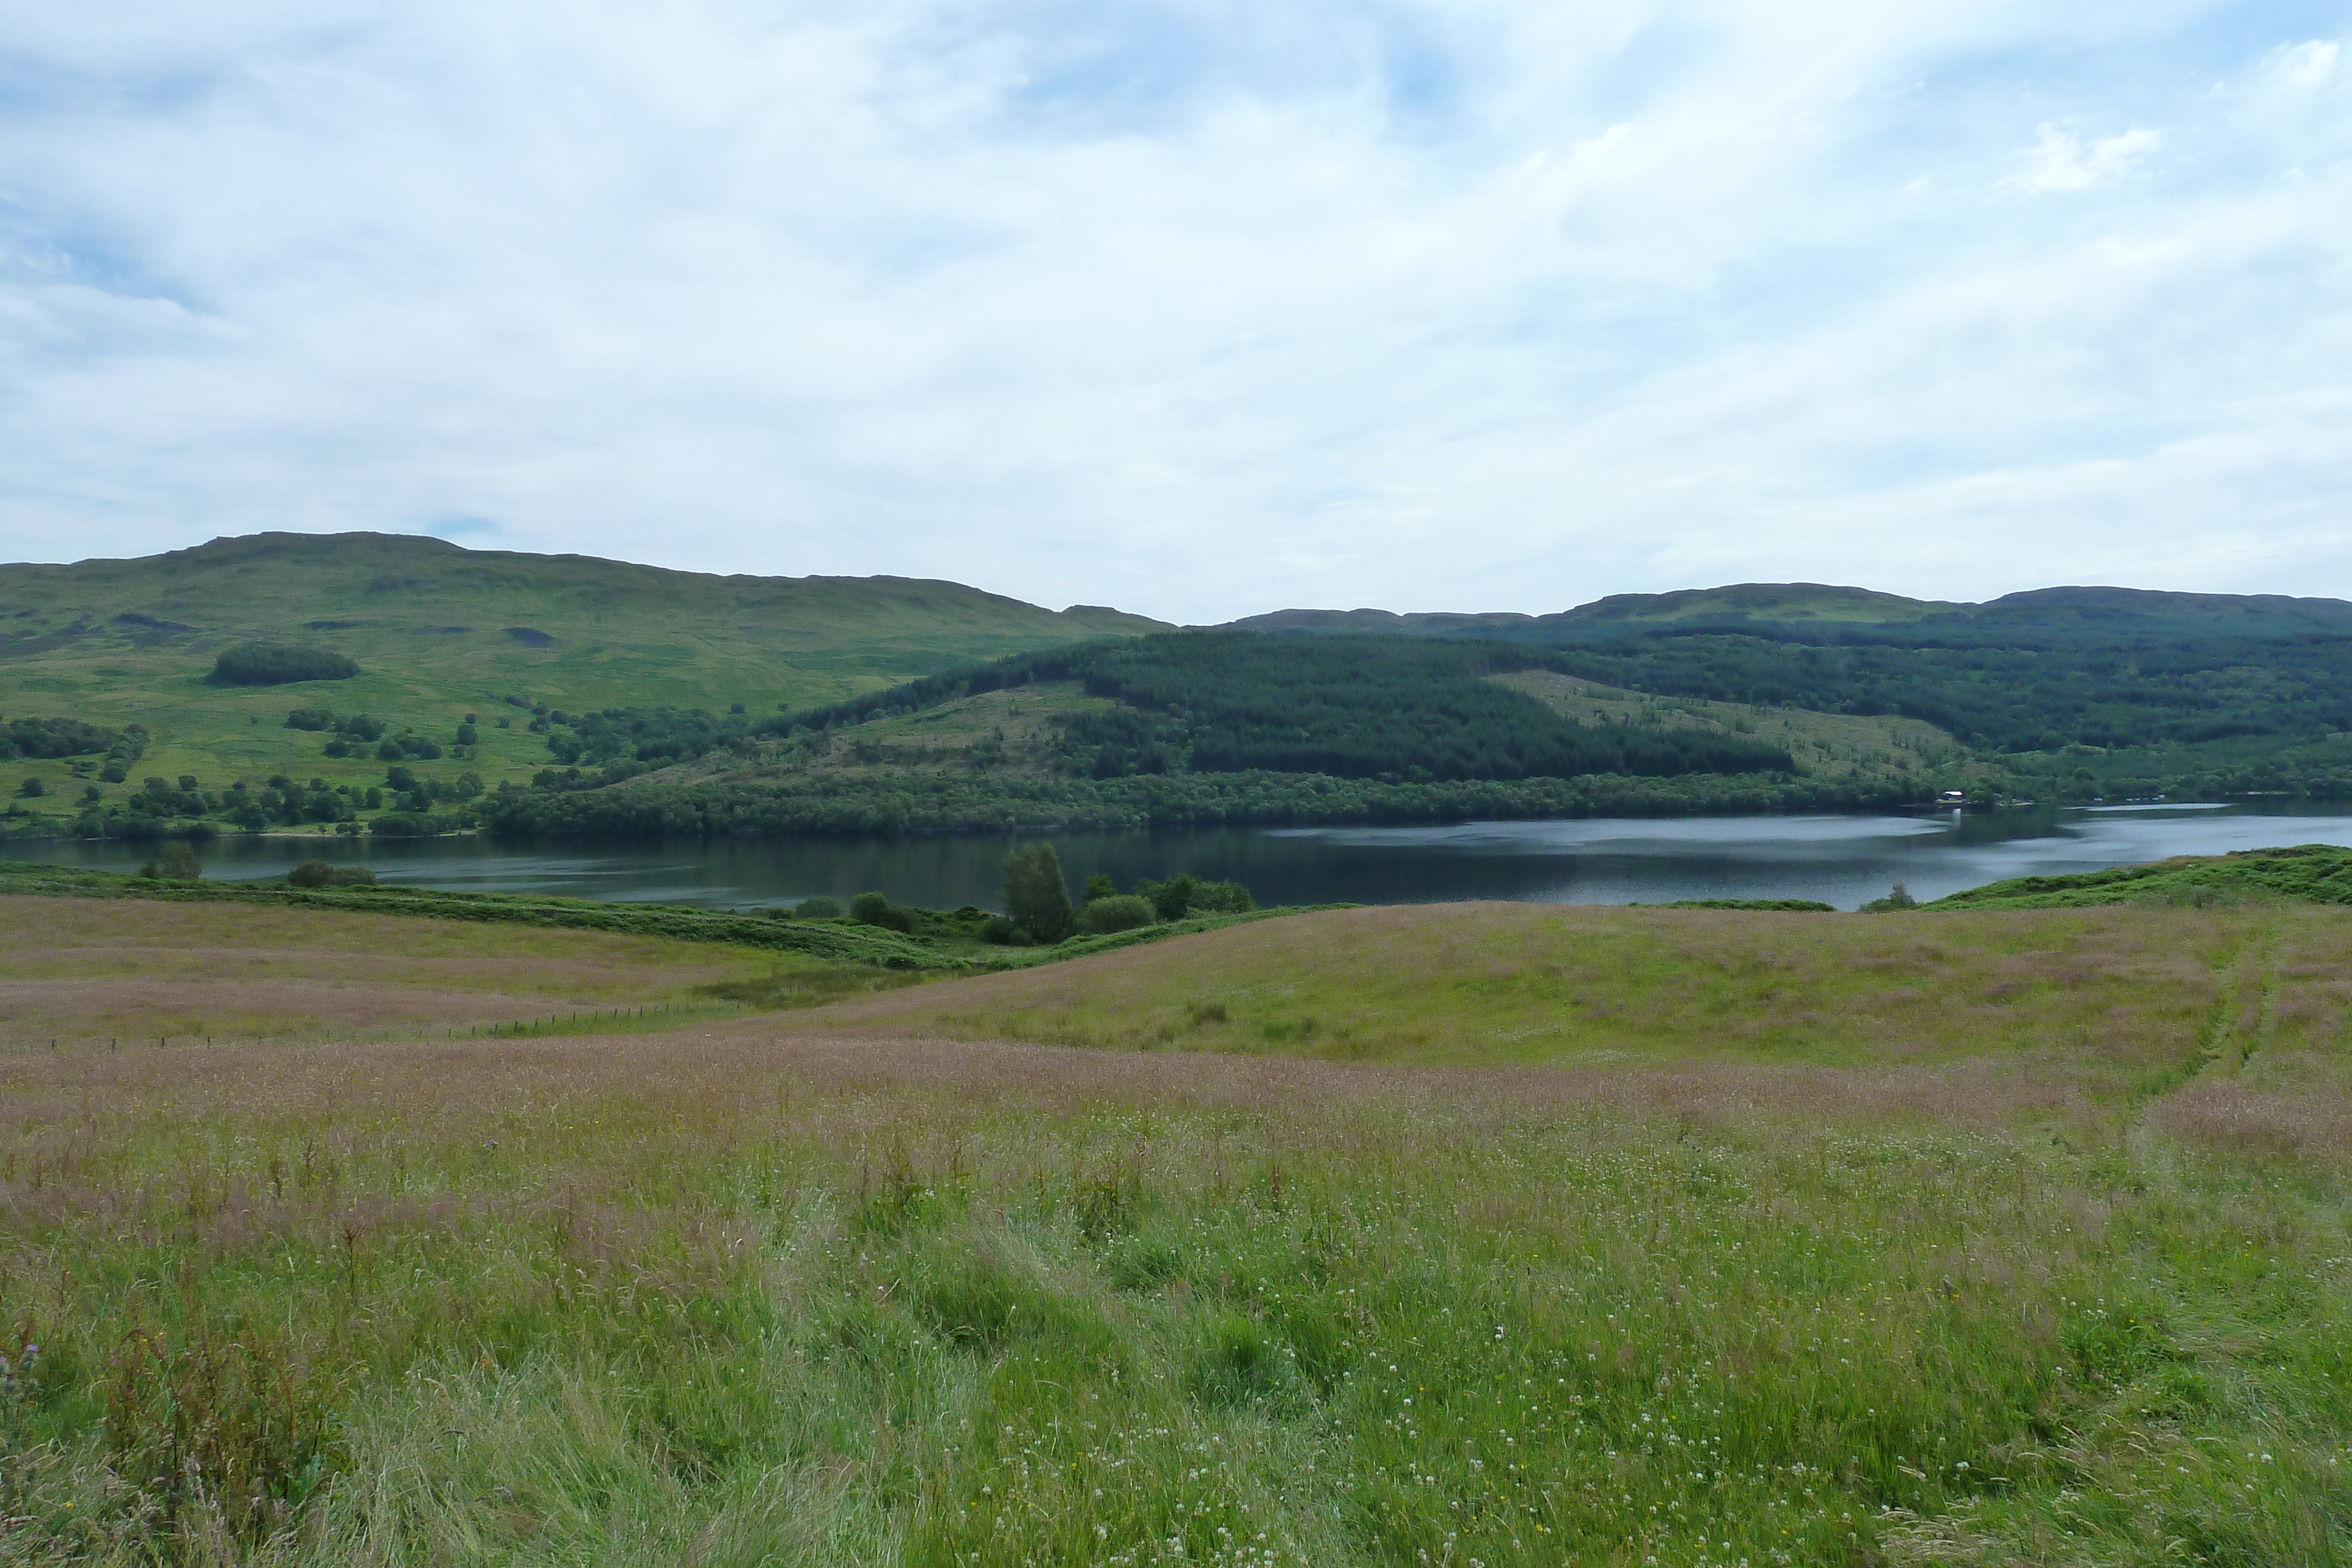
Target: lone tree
1036,895
180,863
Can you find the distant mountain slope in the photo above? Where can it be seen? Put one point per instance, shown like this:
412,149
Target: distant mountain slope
439,630
1828,609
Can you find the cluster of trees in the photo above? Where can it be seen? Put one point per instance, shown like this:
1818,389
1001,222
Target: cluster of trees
52,737
654,735
1394,708
1038,907
1384,707
355,734
278,664
2037,694
161,805
128,749
349,726
860,805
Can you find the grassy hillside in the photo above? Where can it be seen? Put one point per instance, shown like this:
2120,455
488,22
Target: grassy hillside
1796,602
1532,983
439,632
2307,873
1823,607
2043,1265
2071,694
1823,745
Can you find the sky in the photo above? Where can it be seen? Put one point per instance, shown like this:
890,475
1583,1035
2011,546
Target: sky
1196,306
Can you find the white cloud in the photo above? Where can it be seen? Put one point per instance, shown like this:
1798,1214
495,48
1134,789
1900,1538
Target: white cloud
1185,305
2060,162
2310,63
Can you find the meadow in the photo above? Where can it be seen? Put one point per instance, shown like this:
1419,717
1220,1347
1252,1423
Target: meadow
1751,1258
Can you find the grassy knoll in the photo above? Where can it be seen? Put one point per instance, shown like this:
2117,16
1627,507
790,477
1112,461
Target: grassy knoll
2305,873
439,632
2120,991
732,1296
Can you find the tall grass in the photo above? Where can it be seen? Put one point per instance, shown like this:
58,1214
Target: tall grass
738,1298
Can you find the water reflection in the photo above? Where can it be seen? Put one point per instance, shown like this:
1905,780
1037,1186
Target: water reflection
1840,860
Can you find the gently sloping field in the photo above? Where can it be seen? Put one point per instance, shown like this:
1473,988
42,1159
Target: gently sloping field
736,1298
2304,874
76,970
2124,991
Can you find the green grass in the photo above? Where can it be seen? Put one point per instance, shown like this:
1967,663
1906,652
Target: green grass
2114,994
427,622
941,941
84,971
2305,873
2043,1263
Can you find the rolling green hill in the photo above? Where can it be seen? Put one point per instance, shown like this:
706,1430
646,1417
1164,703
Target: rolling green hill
438,632
1823,607
2303,873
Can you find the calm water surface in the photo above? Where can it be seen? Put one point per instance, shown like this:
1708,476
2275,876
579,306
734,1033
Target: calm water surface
1840,860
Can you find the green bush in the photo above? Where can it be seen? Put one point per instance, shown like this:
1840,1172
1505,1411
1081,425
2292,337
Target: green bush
398,825
1187,894
319,873
874,909
1120,912
820,907
32,789
1001,930
179,863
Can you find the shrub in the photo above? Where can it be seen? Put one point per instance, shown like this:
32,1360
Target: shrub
820,907
178,863
1187,894
278,664
319,874
398,825
1121,912
1001,930
1101,885
874,909
32,787
1898,898
310,718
